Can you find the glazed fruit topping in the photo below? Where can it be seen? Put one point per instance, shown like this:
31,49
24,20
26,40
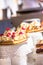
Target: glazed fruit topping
7,28
20,32
23,28
8,35
13,35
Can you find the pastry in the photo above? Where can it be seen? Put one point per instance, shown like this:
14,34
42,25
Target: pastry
21,37
39,46
34,27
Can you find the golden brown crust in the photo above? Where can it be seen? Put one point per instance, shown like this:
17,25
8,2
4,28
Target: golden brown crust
19,41
35,30
5,42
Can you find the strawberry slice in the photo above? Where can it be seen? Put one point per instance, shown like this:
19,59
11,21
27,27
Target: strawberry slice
23,28
7,28
21,33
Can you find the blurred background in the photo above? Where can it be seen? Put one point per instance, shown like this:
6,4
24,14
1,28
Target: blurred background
10,8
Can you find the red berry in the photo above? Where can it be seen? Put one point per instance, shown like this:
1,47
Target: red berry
20,32
13,36
23,28
13,33
7,28
9,34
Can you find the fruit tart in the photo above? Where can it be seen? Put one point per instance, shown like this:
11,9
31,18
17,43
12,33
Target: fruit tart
19,37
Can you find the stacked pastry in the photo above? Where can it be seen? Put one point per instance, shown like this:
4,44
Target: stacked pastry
39,47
